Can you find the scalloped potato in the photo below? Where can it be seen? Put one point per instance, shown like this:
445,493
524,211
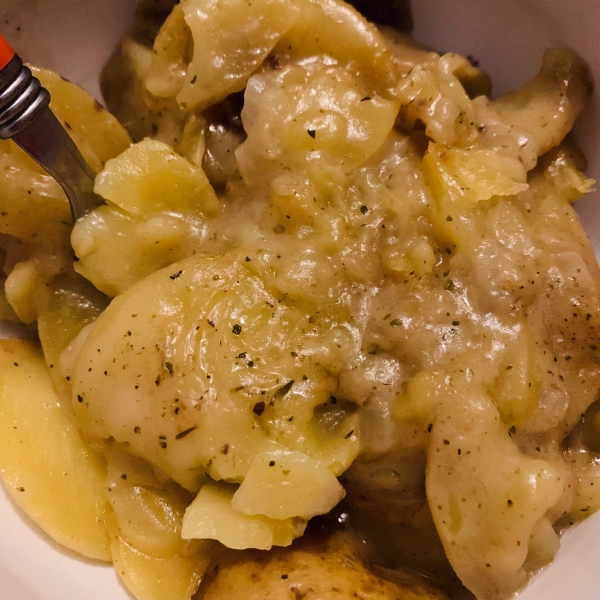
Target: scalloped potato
331,269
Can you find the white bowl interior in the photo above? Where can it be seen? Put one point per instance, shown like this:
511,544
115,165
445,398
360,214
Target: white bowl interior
507,37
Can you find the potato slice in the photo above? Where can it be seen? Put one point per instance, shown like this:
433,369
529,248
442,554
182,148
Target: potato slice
231,39
156,204
154,578
333,29
487,518
172,52
123,84
45,465
148,551
150,177
34,207
72,303
226,378
98,135
117,250
319,566
148,511
548,105
206,49
298,115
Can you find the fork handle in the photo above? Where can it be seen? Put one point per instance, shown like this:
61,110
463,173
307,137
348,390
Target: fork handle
6,53
22,97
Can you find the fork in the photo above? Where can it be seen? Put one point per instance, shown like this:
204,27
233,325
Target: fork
26,118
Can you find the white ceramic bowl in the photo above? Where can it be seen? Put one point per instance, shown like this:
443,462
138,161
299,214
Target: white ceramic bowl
508,37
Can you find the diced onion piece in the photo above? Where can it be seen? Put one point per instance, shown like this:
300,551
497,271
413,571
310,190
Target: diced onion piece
473,175
212,516
283,483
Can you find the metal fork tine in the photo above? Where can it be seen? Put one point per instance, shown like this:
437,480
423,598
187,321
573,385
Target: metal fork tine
26,118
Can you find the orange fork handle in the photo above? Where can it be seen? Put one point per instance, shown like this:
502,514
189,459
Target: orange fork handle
6,53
